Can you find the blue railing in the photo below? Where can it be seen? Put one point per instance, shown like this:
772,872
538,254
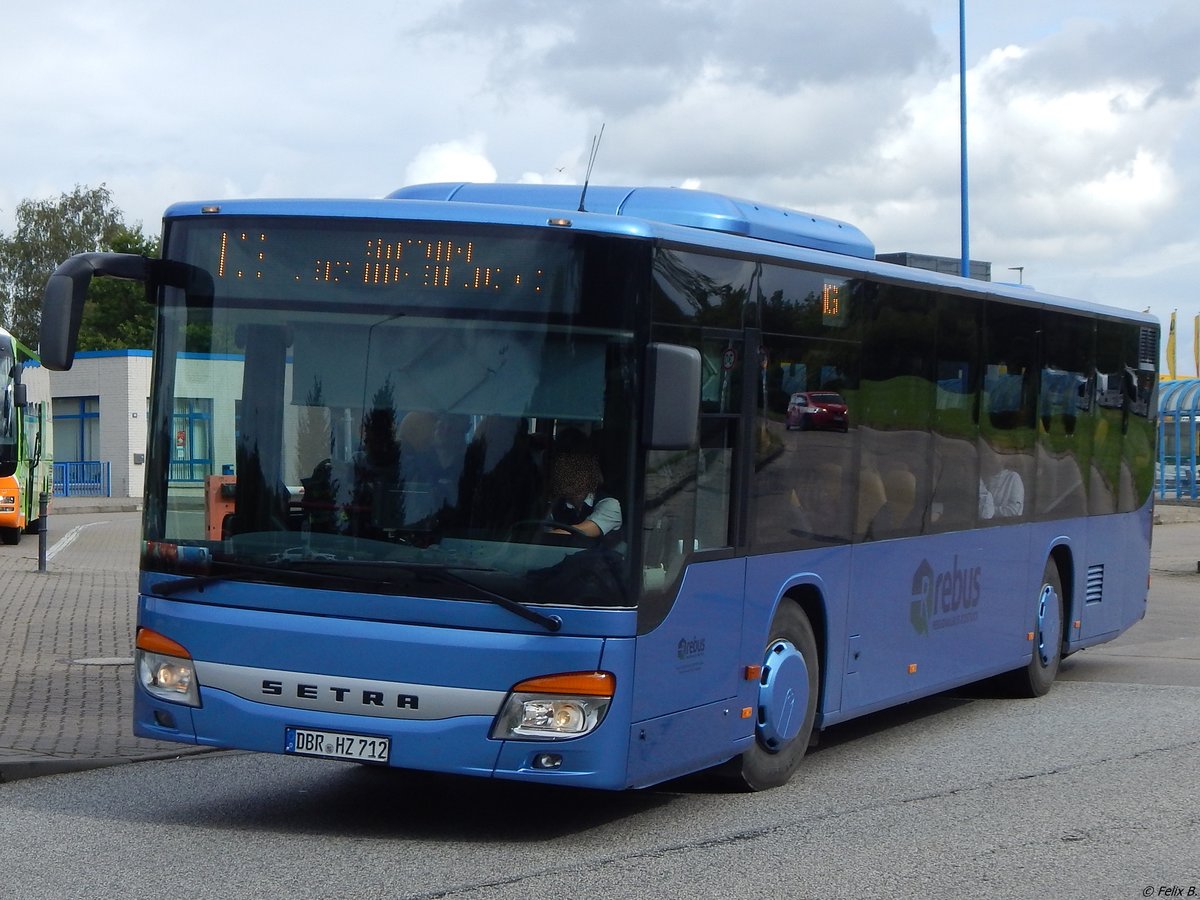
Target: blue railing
82,479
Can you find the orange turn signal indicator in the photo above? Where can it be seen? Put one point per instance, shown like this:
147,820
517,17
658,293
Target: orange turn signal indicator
753,673
153,642
582,684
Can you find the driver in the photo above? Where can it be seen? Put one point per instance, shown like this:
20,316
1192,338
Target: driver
579,503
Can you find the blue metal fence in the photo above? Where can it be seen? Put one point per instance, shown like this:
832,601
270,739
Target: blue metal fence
1178,417
82,479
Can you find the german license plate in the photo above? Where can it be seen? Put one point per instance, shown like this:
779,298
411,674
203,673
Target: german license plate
337,745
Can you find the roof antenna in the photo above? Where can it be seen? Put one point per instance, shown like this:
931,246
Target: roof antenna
591,162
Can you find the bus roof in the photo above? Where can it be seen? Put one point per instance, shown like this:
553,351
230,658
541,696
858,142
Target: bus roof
675,215
671,206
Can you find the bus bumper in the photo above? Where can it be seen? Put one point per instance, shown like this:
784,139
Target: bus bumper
232,714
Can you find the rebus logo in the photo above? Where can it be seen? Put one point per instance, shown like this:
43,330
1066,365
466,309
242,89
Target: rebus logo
944,599
689,648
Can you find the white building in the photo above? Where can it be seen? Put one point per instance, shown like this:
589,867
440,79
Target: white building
100,412
100,423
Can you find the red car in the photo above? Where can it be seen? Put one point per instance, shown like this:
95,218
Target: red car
817,410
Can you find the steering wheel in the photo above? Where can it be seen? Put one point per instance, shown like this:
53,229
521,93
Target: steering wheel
549,525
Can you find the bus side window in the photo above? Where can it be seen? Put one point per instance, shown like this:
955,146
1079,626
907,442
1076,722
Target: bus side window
715,474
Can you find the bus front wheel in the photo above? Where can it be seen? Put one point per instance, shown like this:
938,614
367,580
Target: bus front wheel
1036,679
10,535
787,703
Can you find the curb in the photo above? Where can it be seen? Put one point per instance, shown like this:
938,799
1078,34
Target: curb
1176,513
93,508
20,768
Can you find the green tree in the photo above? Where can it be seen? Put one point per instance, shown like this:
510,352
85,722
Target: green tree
117,315
46,233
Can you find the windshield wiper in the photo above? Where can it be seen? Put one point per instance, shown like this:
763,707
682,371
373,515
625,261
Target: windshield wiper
316,566
168,588
446,574
550,623
233,570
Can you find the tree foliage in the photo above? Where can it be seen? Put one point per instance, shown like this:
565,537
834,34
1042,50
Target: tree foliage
46,233
117,314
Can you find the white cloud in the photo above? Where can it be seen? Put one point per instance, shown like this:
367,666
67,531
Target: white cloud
1084,114
451,161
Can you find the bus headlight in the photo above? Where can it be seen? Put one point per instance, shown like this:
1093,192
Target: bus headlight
165,669
555,707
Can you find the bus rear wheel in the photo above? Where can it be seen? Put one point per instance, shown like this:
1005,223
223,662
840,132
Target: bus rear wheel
787,703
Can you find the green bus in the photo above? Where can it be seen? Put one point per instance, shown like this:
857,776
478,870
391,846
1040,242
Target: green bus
26,457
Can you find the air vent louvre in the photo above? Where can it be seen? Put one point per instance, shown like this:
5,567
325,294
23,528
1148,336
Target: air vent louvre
1095,583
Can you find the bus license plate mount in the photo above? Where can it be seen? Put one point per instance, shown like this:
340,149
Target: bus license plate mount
368,748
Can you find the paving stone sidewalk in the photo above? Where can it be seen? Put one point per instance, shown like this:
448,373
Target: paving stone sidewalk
66,669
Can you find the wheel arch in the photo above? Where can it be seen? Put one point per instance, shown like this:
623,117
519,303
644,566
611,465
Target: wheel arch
811,601
1063,557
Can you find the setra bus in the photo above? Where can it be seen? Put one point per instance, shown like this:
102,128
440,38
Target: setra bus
26,457
368,418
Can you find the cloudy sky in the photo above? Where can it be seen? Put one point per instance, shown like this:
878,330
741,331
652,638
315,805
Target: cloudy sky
1084,115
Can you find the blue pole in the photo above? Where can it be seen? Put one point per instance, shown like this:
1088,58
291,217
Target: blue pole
962,120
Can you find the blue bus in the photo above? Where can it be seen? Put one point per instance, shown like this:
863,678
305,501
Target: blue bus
498,480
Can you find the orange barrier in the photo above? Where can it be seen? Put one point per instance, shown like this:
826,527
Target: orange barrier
218,504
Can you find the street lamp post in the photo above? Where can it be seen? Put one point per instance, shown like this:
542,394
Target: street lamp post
962,118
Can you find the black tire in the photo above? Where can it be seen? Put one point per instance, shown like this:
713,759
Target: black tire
11,536
770,762
1036,679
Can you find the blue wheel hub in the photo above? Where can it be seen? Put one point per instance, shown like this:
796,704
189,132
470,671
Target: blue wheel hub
782,695
1049,624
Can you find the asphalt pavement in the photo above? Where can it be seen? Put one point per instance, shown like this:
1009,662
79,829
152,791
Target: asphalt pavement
66,667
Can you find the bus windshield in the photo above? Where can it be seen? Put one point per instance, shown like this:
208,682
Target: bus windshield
382,407
8,407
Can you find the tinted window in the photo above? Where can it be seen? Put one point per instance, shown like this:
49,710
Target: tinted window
804,482
897,402
1065,419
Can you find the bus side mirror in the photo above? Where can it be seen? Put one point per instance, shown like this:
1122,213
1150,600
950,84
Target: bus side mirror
20,392
66,291
672,397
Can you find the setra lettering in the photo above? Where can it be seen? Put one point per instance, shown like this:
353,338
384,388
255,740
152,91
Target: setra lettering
333,693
